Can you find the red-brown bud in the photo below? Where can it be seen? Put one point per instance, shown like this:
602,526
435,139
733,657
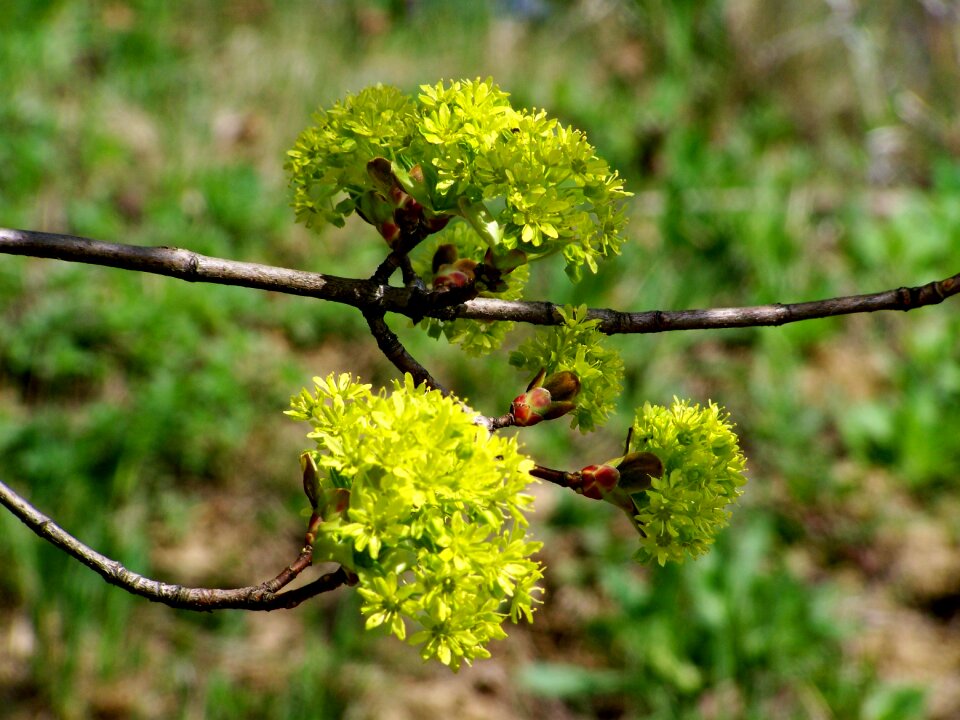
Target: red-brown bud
444,255
546,399
598,480
455,275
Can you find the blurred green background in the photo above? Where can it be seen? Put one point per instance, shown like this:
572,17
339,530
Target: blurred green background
781,151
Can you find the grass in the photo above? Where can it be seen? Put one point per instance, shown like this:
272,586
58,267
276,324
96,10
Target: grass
145,414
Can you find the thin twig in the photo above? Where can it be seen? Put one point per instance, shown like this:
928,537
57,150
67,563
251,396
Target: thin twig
410,277
390,345
256,597
365,294
557,477
504,421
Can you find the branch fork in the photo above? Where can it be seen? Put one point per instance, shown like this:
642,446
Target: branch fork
374,298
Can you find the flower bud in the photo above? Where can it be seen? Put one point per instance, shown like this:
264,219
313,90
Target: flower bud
444,255
597,481
546,399
563,385
380,171
311,479
455,275
637,470
617,480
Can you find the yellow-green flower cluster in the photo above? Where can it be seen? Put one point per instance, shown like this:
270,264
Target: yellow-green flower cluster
577,346
434,527
521,180
682,512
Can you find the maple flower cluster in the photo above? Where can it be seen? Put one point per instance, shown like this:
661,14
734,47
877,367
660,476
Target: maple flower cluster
519,178
426,508
410,493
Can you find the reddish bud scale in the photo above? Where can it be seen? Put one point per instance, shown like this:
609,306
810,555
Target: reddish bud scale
390,232
457,274
539,401
637,470
339,500
445,254
597,480
531,407
435,223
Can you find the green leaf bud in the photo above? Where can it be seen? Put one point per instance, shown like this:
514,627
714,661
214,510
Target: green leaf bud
311,480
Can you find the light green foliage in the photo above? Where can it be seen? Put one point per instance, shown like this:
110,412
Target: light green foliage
682,511
520,178
331,157
577,346
434,528
475,337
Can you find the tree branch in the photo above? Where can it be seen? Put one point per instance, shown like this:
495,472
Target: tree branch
256,597
557,477
390,345
366,294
